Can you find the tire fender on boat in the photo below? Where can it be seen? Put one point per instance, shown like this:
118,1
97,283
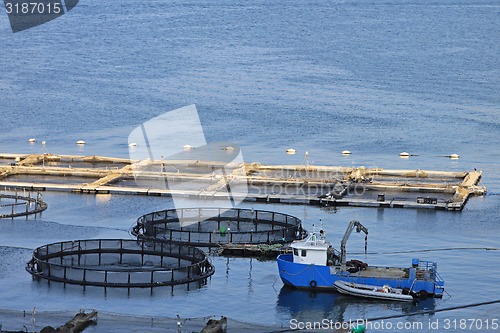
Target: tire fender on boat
313,284
423,294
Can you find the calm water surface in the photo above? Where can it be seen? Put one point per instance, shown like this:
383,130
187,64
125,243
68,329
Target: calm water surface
376,78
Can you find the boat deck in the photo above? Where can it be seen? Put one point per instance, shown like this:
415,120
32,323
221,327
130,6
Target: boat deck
383,272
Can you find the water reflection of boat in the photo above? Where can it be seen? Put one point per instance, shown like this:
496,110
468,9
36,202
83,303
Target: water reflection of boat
308,305
305,305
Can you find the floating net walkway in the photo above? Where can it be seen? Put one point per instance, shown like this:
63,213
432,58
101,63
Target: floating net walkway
34,321
120,263
215,226
15,205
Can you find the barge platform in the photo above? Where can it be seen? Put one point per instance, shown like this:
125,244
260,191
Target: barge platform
327,186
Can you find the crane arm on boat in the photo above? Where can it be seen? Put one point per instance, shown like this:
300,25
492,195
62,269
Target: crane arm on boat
352,225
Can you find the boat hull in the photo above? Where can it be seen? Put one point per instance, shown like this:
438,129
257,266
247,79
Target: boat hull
322,278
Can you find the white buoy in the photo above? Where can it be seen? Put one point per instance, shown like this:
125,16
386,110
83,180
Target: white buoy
290,151
32,140
454,156
346,152
80,142
187,147
133,144
404,155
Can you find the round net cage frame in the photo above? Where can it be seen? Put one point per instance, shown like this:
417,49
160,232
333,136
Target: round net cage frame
120,263
16,205
211,227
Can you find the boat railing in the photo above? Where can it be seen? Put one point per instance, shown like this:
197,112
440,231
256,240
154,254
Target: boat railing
439,280
315,239
429,269
427,265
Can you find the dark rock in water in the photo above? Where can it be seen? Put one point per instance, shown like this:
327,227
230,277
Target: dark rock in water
216,326
79,323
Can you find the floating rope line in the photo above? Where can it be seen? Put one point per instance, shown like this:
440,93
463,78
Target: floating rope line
431,250
435,311
405,315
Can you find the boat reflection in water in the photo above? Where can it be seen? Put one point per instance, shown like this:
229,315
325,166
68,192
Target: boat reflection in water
307,306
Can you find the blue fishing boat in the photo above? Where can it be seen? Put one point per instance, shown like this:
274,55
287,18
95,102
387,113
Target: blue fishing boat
315,264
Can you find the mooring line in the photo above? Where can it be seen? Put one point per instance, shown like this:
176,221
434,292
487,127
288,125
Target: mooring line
431,250
435,311
406,314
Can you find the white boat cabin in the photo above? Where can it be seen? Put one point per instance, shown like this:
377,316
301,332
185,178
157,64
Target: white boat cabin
314,250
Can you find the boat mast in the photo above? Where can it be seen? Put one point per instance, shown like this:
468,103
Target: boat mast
359,227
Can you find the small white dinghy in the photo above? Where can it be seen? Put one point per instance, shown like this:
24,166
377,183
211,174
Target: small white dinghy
364,290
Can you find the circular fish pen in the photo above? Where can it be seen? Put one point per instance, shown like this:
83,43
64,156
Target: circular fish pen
215,226
120,263
15,205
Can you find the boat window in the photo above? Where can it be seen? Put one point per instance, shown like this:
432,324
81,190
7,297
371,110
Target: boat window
303,254
296,252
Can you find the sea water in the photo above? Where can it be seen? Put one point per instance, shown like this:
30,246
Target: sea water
374,77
